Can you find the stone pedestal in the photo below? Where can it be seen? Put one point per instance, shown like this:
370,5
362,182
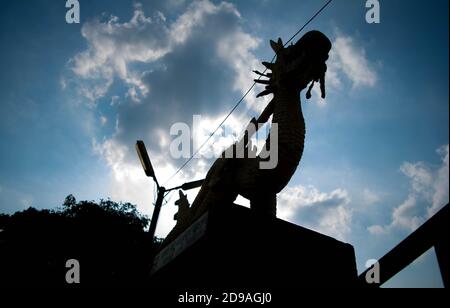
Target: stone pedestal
234,248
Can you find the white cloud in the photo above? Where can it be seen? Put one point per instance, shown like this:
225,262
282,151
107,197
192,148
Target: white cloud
428,193
370,197
231,131
175,3
182,28
352,61
128,181
236,50
113,46
347,61
377,229
115,100
27,202
62,83
103,120
327,213
441,183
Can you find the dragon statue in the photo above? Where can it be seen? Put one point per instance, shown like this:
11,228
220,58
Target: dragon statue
296,67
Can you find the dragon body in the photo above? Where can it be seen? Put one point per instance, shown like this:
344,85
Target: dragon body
296,66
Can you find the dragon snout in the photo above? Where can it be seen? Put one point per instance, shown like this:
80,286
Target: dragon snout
314,47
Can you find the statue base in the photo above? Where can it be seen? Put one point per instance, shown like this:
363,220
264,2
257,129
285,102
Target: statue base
232,247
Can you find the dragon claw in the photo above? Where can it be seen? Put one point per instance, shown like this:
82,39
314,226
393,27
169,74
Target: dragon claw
268,75
266,82
264,93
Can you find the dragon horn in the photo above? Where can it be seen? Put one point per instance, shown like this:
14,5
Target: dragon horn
280,42
278,46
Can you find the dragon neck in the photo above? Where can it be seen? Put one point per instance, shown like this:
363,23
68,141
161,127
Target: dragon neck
291,136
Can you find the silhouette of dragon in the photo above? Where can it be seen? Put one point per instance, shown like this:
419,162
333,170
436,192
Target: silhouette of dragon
295,67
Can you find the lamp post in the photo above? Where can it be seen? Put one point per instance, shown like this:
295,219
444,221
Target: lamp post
162,191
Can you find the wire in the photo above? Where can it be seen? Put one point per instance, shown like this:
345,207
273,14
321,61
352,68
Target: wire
244,96
309,21
168,197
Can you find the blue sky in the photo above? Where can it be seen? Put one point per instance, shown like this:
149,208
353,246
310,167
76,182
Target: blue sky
74,98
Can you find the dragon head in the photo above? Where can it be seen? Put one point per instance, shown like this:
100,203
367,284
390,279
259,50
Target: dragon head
298,65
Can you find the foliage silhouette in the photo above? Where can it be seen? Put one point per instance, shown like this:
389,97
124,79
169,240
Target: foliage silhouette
107,238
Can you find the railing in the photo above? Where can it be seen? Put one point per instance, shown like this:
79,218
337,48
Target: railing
433,233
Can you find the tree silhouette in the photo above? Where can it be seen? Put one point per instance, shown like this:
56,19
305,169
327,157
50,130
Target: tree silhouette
107,238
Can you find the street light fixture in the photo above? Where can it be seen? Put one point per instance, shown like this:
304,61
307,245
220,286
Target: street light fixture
162,191
145,160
